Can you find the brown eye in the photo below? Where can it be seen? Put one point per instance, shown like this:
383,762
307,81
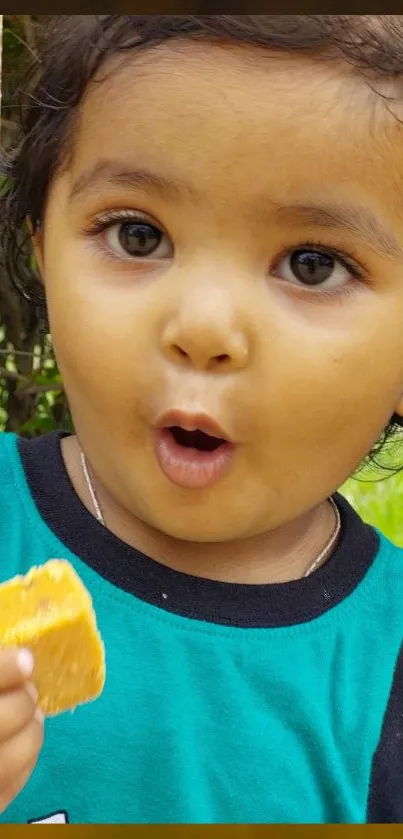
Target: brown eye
310,268
137,240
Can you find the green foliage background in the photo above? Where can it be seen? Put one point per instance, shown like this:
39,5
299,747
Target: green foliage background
32,399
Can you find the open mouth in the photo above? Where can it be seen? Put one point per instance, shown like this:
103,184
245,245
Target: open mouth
195,439
192,458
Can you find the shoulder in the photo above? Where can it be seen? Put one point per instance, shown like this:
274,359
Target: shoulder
385,798
11,474
14,490
21,528
390,558
382,590
15,452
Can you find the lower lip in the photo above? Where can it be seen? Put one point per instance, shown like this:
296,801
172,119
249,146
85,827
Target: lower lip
191,468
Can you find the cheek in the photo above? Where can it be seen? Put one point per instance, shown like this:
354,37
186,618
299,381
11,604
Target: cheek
105,338
327,399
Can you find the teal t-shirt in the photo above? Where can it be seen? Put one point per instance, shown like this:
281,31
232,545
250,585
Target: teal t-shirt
223,703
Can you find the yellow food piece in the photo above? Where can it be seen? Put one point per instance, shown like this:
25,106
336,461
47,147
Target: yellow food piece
49,611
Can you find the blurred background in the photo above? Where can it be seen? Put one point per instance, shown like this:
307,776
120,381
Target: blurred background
32,399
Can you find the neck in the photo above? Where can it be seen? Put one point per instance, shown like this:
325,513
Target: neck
273,557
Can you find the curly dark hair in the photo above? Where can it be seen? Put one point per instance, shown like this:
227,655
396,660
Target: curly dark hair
75,47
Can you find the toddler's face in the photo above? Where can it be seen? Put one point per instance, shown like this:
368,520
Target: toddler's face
227,241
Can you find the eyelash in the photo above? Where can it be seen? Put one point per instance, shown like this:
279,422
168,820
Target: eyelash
109,218
346,259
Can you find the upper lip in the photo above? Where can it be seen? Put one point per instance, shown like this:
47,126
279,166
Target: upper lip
192,422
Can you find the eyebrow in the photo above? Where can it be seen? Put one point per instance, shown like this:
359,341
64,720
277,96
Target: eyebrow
109,174
356,220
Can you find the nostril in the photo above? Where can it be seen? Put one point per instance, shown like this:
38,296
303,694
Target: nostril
209,362
179,351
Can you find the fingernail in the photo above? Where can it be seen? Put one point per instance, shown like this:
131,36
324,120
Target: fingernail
25,663
31,689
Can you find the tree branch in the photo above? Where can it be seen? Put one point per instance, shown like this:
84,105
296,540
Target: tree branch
36,390
11,376
17,352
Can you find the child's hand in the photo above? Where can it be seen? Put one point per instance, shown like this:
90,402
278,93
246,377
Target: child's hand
21,724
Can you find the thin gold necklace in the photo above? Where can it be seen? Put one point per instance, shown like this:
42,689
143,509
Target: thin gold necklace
313,566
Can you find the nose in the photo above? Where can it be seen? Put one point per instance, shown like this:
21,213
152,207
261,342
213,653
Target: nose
207,331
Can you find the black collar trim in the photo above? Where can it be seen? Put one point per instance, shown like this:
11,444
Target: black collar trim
230,604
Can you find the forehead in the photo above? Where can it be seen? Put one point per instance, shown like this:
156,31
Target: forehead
241,121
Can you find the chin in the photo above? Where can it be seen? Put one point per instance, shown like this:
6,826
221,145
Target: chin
213,515
191,527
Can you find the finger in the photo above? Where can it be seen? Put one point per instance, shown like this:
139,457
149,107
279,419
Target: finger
17,707
20,752
16,666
